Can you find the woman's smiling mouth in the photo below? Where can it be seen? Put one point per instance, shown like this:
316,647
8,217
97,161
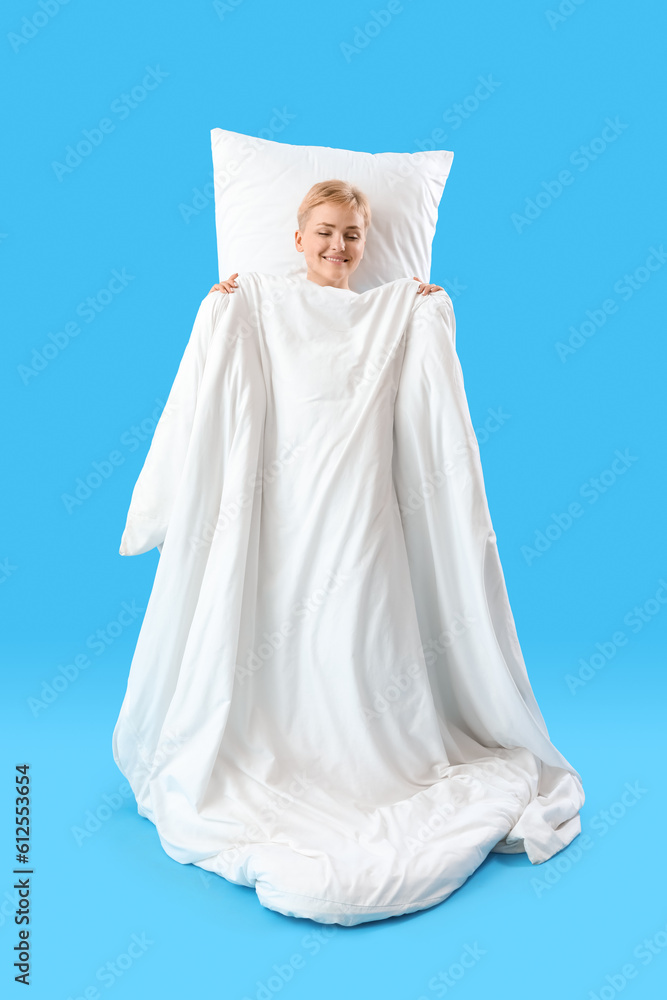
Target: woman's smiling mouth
337,260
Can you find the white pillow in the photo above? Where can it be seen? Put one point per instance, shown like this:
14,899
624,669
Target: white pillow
259,185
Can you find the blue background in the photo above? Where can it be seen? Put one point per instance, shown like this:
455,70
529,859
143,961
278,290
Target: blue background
562,929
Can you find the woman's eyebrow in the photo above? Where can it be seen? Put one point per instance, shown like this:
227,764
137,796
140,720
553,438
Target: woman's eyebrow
331,225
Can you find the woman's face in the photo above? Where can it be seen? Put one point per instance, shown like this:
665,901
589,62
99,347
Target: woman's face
332,241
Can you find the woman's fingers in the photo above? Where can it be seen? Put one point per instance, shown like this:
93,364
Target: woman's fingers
425,288
223,286
226,286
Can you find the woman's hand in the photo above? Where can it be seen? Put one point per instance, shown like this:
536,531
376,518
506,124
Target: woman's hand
426,289
226,286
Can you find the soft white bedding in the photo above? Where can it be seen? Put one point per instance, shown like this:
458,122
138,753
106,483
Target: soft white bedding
328,699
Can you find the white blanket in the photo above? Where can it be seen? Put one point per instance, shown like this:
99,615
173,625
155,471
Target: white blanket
328,700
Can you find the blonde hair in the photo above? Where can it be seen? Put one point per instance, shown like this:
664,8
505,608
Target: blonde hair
340,192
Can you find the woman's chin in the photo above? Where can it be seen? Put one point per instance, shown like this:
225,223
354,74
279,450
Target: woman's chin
331,272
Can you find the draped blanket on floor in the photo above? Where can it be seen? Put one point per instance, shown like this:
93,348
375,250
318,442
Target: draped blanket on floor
328,700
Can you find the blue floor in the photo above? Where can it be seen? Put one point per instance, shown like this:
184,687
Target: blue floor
589,918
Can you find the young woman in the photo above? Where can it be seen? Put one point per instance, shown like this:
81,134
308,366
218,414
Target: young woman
328,700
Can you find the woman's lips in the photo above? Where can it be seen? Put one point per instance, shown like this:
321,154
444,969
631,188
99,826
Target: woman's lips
336,260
